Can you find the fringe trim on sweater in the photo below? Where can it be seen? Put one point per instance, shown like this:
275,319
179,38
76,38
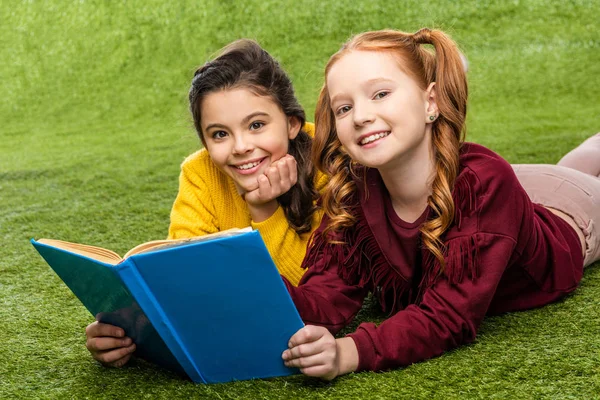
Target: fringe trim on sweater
461,254
362,263
462,258
464,197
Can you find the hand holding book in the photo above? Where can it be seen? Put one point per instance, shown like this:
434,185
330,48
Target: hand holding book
318,353
108,344
215,309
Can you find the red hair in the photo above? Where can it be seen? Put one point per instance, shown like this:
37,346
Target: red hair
442,66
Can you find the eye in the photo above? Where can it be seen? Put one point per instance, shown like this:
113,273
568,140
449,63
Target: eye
256,125
219,135
381,95
342,110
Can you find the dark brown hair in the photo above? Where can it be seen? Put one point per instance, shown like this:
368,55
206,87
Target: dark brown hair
244,64
442,66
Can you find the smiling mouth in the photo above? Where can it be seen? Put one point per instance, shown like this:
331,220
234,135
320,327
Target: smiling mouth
373,137
244,167
249,166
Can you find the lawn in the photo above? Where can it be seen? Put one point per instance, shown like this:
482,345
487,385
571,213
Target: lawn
94,125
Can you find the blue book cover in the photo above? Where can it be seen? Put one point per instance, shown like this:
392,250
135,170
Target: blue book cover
215,309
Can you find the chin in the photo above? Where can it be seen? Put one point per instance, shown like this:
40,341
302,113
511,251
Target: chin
245,188
370,163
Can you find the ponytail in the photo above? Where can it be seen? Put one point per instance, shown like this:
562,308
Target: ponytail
447,71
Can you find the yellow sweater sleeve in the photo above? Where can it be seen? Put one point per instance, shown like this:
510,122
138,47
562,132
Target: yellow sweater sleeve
285,245
193,212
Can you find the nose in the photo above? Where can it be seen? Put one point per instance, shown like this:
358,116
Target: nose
242,145
362,114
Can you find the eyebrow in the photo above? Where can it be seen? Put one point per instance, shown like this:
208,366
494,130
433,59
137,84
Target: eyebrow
244,121
366,83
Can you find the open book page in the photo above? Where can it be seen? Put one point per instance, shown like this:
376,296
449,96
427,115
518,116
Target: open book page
166,243
112,258
93,252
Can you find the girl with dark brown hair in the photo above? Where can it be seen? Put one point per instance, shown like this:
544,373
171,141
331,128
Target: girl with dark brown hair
254,170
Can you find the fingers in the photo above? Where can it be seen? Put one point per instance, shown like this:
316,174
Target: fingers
313,349
322,371
119,363
293,167
278,179
96,344
271,187
303,350
116,357
288,171
99,329
281,176
310,333
305,343
307,362
108,344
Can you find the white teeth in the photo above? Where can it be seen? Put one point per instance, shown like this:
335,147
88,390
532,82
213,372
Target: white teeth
374,137
248,166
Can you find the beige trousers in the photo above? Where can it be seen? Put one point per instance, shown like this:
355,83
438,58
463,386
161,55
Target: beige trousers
572,187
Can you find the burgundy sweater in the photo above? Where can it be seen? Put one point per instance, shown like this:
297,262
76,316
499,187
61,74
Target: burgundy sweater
503,253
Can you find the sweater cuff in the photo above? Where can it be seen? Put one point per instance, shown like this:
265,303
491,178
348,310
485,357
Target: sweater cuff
367,356
272,225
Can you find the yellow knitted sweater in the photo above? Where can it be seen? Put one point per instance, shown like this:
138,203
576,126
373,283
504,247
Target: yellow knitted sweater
208,202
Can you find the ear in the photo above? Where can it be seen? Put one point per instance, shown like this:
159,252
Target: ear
431,107
293,127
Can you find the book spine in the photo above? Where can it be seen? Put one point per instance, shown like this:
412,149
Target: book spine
131,277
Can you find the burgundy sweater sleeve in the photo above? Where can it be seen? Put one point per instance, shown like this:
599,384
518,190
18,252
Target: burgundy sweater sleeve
448,315
482,243
323,298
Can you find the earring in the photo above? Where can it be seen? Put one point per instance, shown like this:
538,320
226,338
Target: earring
432,117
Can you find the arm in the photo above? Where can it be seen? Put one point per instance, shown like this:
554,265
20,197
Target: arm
491,214
448,315
327,301
193,213
286,246
327,304
478,250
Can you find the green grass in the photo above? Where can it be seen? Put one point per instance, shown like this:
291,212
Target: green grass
94,127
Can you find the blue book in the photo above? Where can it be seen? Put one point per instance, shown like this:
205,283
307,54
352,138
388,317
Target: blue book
213,308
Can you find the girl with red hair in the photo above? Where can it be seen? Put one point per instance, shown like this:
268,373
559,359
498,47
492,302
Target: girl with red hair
441,231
